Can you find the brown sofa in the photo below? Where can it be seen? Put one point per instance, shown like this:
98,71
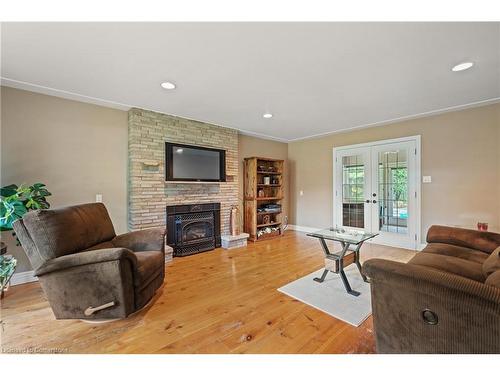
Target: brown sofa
86,271
446,299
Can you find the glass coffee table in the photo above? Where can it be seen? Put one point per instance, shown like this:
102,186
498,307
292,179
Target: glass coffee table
346,238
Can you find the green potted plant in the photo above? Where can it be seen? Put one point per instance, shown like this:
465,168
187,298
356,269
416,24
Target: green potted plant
15,201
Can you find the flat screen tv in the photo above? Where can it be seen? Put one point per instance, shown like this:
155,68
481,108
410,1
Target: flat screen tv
194,163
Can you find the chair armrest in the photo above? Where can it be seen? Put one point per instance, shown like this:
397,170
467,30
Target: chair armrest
467,311
474,239
142,240
87,257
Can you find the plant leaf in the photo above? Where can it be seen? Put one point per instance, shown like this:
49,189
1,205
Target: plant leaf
8,190
16,201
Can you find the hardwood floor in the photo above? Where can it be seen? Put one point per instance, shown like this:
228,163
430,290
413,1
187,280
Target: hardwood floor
222,301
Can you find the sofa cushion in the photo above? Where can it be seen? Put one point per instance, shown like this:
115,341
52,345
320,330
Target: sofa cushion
68,230
149,265
456,251
474,239
450,264
492,264
494,279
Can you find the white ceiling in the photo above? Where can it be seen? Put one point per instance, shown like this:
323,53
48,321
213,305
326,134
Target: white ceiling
315,78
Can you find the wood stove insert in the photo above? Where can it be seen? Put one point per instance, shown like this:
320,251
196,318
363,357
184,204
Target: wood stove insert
193,228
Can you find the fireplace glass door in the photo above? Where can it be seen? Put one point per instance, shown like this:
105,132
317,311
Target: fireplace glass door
195,231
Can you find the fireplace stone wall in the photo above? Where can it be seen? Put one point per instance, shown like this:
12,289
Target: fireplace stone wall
148,193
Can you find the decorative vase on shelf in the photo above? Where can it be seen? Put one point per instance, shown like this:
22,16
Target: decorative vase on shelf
483,227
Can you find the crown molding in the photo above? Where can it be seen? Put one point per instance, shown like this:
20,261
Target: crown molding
435,112
27,86
22,85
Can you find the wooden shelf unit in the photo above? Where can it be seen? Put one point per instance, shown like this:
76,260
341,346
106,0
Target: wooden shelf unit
257,170
269,173
267,213
268,225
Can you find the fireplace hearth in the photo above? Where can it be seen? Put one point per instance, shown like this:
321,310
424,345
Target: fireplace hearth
193,228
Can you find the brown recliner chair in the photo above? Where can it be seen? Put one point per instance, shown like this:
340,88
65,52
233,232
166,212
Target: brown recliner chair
446,299
86,271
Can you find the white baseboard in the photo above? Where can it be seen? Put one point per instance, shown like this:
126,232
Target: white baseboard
23,278
300,228
421,246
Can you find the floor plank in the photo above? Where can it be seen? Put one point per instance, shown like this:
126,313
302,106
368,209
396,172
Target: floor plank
222,301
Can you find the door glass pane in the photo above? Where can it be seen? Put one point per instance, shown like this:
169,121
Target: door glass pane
353,184
393,190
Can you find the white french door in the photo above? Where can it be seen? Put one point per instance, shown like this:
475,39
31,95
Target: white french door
376,189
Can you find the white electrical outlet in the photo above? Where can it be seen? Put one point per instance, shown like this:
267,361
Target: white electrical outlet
426,179
98,198
301,193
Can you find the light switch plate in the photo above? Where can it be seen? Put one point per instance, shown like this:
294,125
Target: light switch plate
98,198
426,179
301,193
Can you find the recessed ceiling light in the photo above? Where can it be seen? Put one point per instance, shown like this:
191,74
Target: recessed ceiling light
267,115
462,66
168,85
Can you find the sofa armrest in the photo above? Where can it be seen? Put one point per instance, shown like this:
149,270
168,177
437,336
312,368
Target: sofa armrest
142,240
468,312
474,239
85,258
426,280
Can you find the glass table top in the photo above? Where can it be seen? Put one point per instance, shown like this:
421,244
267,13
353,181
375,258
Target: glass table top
343,235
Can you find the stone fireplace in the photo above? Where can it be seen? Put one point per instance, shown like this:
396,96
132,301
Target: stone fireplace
149,194
193,228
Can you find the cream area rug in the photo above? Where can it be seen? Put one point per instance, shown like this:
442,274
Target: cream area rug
331,297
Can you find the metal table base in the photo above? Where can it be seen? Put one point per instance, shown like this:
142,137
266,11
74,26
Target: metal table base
339,262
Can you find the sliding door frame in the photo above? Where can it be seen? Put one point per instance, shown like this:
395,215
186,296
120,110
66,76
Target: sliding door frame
418,179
